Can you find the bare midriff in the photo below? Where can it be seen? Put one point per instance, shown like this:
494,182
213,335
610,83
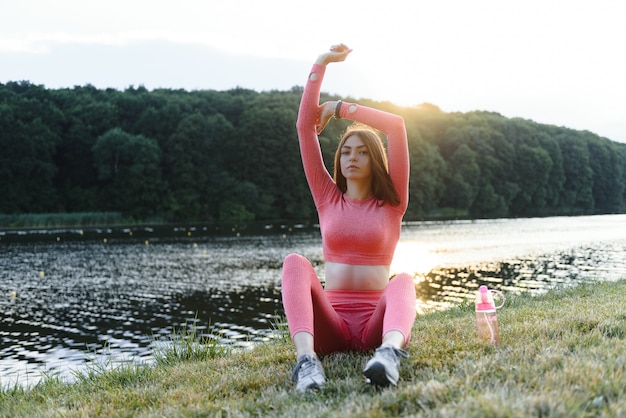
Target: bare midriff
341,276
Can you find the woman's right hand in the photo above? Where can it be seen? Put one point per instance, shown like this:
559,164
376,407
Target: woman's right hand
337,53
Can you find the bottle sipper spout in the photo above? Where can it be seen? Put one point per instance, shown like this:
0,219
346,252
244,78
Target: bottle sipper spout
484,300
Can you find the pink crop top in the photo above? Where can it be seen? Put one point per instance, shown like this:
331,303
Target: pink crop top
358,232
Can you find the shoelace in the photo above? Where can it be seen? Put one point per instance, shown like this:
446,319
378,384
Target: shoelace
306,364
392,353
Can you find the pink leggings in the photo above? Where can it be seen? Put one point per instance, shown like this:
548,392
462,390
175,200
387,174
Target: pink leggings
342,320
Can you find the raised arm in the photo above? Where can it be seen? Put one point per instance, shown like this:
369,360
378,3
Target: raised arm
309,124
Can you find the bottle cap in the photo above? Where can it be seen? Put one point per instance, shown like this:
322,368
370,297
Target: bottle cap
484,300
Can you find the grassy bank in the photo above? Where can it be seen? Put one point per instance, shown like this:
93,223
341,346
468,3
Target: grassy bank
562,354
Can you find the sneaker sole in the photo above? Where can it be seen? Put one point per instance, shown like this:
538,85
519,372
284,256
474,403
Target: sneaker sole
311,387
377,375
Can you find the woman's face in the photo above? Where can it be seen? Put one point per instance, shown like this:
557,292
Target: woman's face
355,159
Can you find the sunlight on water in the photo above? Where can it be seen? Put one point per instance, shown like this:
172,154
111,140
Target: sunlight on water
417,259
414,257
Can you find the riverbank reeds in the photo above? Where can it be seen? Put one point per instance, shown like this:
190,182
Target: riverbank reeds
63,220
562,354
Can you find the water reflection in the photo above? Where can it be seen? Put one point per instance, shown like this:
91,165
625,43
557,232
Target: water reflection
442,287
73,298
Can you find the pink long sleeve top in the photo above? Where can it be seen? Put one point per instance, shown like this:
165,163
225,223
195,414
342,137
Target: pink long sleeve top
358,232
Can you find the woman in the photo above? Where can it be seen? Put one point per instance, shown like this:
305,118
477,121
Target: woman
360,213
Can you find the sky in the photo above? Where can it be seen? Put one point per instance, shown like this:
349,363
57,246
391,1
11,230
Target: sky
558,62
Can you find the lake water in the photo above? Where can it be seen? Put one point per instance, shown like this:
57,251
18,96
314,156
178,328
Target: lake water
73,297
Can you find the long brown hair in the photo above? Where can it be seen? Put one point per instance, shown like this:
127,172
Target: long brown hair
382,187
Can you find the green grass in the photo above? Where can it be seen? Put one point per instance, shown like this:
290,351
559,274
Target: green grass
187,344
562,354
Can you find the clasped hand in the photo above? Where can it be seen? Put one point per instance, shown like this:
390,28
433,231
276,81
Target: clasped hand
337,53
325,113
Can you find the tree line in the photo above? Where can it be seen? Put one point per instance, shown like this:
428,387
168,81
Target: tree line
177,155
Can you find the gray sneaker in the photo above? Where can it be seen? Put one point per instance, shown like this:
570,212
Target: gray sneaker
308,374
382,369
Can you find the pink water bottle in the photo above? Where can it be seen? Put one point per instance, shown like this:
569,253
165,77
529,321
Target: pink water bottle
486,318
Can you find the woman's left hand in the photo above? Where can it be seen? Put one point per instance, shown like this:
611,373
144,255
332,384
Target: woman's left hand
325,112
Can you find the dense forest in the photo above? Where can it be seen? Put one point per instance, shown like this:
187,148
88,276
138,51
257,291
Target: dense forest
176,155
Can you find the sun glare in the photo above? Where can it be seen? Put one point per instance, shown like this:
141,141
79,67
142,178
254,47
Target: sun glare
413,258
418,259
